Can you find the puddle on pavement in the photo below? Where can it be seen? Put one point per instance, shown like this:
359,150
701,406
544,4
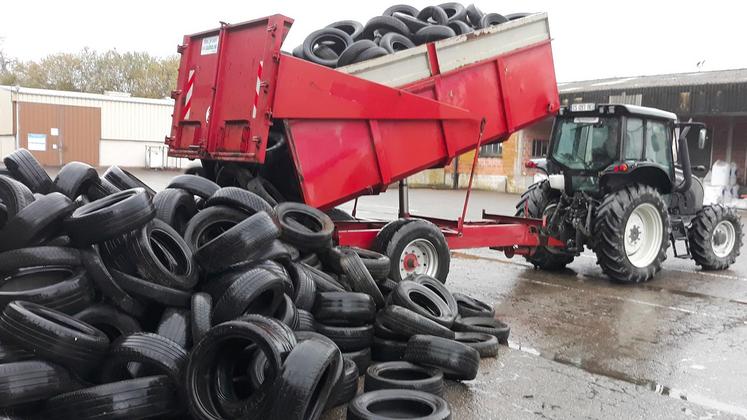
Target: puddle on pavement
646,383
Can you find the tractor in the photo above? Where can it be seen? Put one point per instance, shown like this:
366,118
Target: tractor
617,182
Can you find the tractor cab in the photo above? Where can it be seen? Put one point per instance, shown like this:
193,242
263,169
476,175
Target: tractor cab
598,148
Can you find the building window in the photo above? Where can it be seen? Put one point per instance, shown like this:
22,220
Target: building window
539,148
492,150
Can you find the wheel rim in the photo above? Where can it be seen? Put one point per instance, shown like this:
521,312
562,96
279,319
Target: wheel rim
643,235
723,238
418,257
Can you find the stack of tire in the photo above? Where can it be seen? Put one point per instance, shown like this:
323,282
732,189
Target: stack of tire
400,27
209,303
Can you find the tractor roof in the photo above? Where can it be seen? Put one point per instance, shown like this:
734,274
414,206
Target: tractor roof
618,109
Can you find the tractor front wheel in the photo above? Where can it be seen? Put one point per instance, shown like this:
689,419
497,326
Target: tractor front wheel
631,231
715,237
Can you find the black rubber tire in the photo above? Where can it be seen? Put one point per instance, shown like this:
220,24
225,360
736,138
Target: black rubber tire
386,350
360,279
65,289
336,39
209,360
161,256
440,290
152,351
346,386
361,358
124,180
24,167
265,189
209,223
434,15
75,178
701,236
110,217
36,223
394,42
383,331
386,233
175,207
457,361
387,404
100,189
303,226
387,286
306,321
456,12
109,320
309,374
460,28
413,23
350,27
195,185
350,56
514,16
609,233
145,290
407,323
381,25
485,344
418,229
148,397
240,244
39,257
31,381
304,286
201,316
532,204
492,19
287,313
474,16
370,54
14,195
484,325
348,338
424,301
401,8
377,264
254,292
53,336
107,286
469,306
404,375
344,308
339,215
11,352
176,325
323,281
240,199
432,33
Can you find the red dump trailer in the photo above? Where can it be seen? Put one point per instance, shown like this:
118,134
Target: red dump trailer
355,130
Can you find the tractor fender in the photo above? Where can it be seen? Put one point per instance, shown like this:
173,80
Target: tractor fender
642,173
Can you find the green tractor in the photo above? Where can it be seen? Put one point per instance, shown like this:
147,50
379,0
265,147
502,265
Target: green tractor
619,184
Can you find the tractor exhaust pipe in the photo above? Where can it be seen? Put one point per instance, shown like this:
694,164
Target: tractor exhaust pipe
684,155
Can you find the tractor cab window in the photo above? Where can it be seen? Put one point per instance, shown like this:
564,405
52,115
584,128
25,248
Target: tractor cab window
658,143
586,143
633,139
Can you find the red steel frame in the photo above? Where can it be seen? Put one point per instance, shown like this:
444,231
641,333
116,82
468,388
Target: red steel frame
350,137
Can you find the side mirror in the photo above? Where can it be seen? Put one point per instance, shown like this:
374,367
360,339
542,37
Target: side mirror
702,138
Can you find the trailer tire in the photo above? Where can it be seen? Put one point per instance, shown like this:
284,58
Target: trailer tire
626,226
532,204
715,236
418,243
75,178
15,196
458,361
404,375
24,167
386,233
397,403
175,207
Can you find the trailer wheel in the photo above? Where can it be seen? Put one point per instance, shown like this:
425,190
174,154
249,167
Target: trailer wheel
715,237
631,228
418,247
533,203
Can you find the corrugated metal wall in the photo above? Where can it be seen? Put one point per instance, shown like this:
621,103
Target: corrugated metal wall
6,113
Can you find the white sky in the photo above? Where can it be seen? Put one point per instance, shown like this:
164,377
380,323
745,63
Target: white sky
592,39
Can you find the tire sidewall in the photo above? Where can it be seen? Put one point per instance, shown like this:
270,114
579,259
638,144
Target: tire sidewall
407,233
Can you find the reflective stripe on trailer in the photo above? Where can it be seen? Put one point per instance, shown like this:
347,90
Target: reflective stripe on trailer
259,85
188,99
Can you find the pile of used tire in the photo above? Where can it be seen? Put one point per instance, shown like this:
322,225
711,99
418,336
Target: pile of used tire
205,302
400,27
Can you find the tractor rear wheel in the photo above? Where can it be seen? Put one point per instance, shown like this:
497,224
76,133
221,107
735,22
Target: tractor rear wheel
631,232
715,237
535,203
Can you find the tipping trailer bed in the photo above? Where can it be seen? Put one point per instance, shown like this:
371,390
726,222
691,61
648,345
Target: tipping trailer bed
355,130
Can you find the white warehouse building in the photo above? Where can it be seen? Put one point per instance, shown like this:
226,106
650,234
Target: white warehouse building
99,129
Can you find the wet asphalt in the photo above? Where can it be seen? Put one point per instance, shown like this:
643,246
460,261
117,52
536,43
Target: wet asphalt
582,346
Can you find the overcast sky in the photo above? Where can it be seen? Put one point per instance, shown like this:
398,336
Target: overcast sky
592,39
